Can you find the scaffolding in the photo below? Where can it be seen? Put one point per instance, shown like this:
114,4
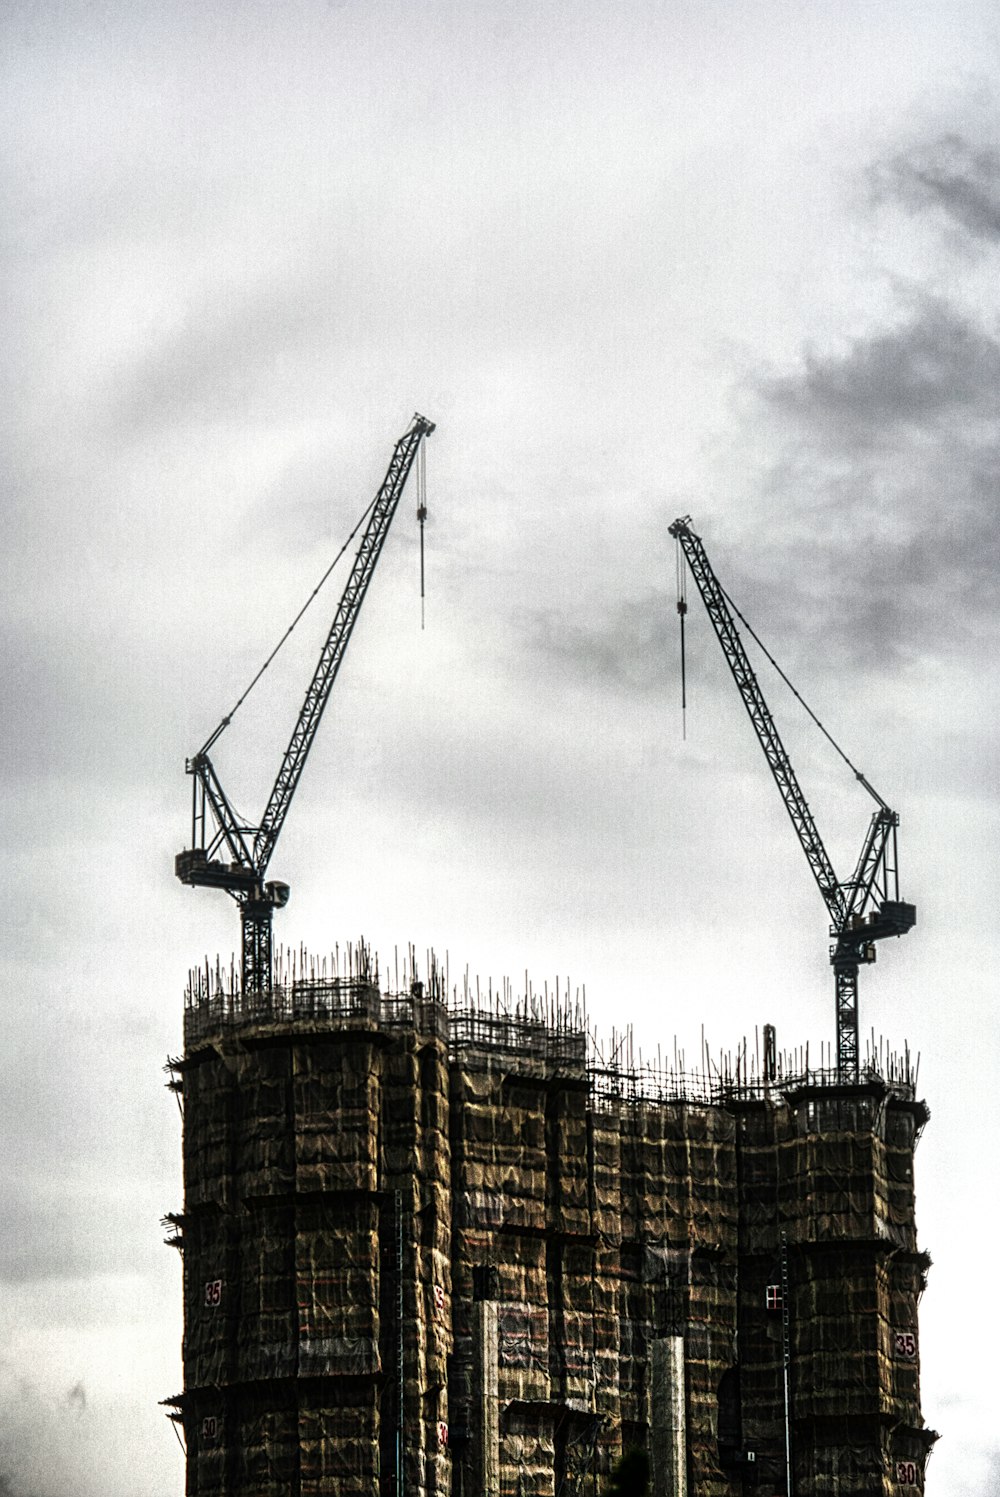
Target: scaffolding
438,1240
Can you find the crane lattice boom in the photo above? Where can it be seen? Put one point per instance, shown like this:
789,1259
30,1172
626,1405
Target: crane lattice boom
867,907
250,848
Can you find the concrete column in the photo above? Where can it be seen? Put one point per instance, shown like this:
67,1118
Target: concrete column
486,1397
668,1425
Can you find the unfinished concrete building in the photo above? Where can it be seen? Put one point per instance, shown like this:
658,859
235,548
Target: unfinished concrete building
437,1247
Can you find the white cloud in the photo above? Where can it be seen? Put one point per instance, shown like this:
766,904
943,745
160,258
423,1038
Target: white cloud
617,258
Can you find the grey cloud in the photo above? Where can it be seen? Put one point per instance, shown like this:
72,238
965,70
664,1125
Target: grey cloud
12,1486
27,1433
222,356
892,469
949,174
875,535
904,379
625,648
42,1245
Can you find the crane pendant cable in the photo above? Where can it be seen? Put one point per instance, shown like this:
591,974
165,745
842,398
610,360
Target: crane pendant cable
311,598
801,700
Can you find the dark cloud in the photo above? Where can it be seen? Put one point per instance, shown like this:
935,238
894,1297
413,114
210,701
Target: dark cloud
949,174
626,647
889,474
872,539
905,380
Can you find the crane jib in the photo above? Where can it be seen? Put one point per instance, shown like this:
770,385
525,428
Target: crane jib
866,908
249,849
332,653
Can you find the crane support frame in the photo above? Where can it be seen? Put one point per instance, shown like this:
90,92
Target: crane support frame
210,796
875,870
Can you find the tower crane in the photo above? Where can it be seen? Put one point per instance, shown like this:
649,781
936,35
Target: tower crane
866,907
226,852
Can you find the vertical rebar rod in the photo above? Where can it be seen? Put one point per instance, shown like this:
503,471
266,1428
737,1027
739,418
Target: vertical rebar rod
399,1343
786,1359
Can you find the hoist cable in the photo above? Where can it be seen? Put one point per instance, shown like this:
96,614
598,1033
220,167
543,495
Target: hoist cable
422,515
682,610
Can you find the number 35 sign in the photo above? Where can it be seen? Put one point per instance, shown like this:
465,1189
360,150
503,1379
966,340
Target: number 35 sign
905,1345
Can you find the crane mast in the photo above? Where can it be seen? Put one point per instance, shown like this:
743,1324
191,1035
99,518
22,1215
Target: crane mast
866,907
215,826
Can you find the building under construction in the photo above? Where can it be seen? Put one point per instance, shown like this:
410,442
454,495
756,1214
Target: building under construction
435,1245
440,1246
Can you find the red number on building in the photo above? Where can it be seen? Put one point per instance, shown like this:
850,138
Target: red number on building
442,1434
906,1345
213,1293
210,1429
906,1473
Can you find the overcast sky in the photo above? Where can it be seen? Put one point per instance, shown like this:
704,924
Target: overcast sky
732,260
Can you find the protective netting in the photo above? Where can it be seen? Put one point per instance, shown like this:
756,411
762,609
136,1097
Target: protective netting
362,1175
